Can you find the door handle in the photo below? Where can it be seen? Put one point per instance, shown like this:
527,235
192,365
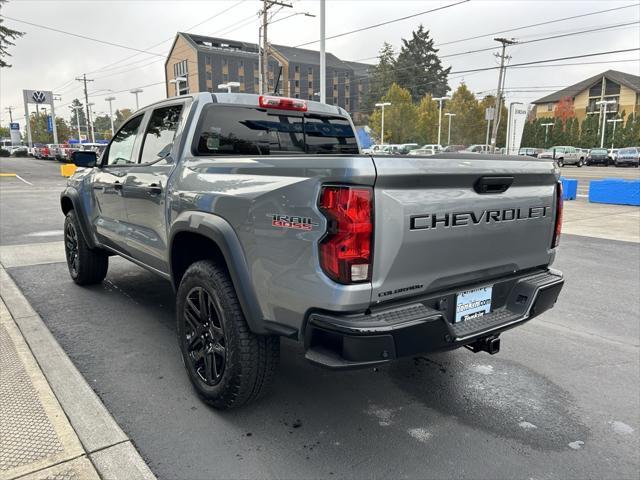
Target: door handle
488,185
154,188
117,185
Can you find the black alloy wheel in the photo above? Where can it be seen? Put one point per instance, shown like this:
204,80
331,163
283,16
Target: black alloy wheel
71,242
204,338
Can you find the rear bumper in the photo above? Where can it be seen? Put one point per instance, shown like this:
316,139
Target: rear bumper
424,324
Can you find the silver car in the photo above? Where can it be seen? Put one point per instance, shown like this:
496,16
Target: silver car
628,156
565,155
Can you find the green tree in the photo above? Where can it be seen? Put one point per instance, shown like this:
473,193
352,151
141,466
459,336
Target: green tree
121,116
4,132
418,67
6,37
468,125
102,127
382,76
400,118
589,132
63,130
78,113
39,132
631,133
427,112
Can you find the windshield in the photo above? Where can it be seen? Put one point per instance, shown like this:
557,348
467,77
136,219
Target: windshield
230,130
627,150
599,151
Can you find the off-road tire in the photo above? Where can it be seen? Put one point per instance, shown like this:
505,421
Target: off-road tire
250,360
90,265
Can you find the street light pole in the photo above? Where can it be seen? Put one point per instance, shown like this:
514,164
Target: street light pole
613,136
604,104
136,91
449,114
440,100
323,60
382,105
546,132
111,99
78,109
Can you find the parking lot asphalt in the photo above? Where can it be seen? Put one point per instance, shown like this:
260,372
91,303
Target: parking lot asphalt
560,400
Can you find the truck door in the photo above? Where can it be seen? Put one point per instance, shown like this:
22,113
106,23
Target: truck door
145,189
109,218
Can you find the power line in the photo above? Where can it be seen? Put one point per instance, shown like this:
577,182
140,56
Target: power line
539,24
369,27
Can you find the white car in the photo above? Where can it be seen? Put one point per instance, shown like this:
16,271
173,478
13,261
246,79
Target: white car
426,150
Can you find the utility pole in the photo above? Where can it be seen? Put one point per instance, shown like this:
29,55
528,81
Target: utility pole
264,55
84,80
496,123
323,58
77,108
10,109
93,132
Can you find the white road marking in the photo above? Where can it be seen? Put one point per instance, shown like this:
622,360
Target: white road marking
420,434
45,233
577,445
20,178
621,428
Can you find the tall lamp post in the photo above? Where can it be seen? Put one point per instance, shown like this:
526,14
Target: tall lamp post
78,109
546,132
381,105
136,91
450,115
229,85
603,105
111,99
177,82
440,100
613,136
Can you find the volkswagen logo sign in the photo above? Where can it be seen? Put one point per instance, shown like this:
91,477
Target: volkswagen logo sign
38,96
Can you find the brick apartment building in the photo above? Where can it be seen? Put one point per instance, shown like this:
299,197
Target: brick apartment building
207,62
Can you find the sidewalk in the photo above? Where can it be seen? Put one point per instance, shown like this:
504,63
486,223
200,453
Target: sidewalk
52,425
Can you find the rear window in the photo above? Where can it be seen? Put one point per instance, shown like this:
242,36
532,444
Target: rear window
227,130
599,151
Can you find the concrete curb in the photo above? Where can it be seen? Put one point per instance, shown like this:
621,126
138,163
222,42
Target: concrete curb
108,447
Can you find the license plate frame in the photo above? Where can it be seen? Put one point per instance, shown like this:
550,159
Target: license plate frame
473,303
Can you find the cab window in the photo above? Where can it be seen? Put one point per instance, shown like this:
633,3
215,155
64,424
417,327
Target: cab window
161,131
121,147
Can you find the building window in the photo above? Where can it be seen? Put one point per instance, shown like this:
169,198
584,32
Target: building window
297,83
297,95
225,77
310,84
335,87
311,97
549,107
241,78
296,69
180,69
310,71
335,100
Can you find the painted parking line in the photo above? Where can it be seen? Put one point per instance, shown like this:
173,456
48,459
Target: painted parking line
15,175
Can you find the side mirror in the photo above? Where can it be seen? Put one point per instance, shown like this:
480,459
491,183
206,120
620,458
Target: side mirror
86,159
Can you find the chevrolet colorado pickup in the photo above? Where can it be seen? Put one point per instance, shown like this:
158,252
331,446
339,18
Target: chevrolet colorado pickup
269,222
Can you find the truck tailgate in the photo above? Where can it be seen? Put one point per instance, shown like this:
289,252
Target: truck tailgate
444,221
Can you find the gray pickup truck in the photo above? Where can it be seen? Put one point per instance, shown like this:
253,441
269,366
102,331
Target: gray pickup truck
269,222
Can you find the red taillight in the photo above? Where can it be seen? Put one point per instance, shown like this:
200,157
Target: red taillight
267,101
559,208
345,251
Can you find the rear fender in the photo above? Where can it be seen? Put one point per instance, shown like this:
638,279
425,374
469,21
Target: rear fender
219,231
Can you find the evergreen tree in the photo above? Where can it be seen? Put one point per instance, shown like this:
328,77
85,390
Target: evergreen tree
6,37
121,116
418,67
400,118
382,76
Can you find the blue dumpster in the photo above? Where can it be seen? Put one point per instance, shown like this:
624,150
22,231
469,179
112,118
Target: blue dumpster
616,191
569,188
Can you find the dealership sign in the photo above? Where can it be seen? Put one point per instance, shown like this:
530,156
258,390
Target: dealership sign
39,98
515,126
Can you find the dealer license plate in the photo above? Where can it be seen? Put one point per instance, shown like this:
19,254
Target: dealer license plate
473,303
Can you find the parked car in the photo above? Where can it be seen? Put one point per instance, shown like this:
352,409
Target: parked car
598,156
372,149
453,148
18,150
478,148
426,150
288,250
405,148
628,157
564,155
613,154
530,152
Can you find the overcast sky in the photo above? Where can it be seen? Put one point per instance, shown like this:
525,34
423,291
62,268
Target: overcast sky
48,60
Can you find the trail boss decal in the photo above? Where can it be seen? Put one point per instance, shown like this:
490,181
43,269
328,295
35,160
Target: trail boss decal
461,219
293,222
